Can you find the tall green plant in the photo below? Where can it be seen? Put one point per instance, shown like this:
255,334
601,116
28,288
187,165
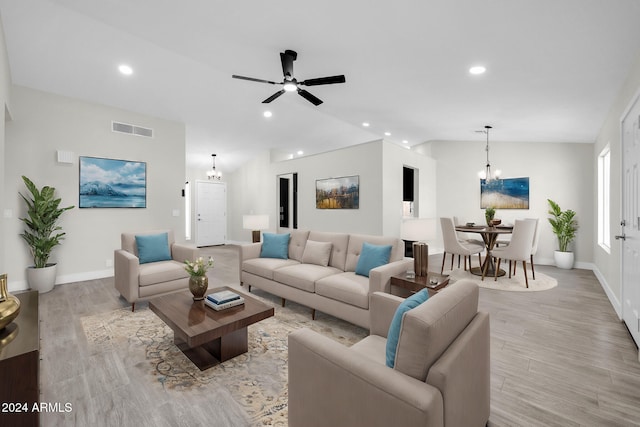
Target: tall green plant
43,212
563,223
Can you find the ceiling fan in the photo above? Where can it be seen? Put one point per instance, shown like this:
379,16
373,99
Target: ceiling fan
290,84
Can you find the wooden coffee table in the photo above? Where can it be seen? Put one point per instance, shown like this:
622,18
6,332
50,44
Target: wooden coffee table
208,337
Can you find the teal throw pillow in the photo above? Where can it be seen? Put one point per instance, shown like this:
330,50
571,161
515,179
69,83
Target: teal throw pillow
394,329
153,247
275,245
372,256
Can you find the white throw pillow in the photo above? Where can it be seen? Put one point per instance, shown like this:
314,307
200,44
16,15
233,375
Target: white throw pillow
317,253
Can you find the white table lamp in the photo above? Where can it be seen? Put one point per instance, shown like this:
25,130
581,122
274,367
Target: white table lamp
255,223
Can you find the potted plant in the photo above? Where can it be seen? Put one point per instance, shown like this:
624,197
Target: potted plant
489,213
564,226
42,233
198,280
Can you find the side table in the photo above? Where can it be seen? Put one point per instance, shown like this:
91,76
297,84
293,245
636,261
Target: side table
417,283
19,365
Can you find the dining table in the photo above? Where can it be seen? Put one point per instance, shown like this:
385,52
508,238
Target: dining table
489,236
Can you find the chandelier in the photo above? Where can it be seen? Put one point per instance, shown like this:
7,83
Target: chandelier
486,173
212,174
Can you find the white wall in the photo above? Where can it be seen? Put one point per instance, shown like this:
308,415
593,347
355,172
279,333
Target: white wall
558,171
44,123
394,158
252,188
609,265
5,95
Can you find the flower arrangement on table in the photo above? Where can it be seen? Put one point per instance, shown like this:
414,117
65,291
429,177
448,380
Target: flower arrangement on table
198,281
199,267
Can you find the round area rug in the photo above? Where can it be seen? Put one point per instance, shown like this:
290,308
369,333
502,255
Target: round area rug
515,283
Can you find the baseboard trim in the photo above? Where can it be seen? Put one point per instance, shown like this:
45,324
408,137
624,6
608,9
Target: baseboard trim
615,303
21,285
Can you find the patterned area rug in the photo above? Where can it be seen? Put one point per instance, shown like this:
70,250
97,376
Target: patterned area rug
257,379
515,283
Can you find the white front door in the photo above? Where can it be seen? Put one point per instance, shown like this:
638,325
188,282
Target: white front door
211,213
631,220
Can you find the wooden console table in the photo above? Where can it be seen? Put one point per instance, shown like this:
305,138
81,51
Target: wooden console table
19,365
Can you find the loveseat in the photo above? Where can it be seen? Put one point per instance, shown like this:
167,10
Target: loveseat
157,271
318,270
440,374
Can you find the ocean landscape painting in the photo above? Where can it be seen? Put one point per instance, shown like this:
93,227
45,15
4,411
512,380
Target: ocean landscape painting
110,183
511,193
338,193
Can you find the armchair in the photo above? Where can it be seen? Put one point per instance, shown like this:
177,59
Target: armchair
135,280
441,375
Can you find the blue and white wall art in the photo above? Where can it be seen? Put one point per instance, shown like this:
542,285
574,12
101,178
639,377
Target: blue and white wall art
110,183
511,193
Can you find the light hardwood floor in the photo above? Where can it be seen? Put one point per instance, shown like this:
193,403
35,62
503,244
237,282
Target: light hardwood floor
558,358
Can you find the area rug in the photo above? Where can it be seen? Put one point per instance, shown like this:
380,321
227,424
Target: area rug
257,380
516,283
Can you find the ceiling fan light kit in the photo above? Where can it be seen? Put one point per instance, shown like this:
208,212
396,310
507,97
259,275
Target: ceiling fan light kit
290,84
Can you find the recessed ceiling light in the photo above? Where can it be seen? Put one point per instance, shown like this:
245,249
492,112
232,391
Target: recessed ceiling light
300,153
125,69
404,141
267,113
478,69
387,134
365,124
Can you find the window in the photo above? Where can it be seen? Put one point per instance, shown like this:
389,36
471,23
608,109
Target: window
604,188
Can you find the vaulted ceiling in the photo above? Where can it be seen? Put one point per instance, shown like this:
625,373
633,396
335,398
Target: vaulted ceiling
554,67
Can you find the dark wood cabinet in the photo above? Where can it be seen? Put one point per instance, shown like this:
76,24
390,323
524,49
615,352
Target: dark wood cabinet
19,365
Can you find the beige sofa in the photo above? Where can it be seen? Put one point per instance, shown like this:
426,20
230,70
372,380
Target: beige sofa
334,289
137,281
441,375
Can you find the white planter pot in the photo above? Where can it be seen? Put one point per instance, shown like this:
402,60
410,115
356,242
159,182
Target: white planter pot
42,279
563,259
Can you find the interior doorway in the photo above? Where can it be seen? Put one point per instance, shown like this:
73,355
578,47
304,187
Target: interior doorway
287,201
211,213
630,224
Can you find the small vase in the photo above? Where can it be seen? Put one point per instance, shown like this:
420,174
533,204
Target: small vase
9,305
198,286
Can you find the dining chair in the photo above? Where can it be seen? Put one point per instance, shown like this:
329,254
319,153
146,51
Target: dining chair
464,237
453,246
534,246
519,249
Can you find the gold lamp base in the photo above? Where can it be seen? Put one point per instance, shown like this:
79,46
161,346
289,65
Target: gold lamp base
256,236
9,305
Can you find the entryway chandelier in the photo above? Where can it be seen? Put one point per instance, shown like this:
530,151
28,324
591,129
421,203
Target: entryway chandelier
486,173
212,174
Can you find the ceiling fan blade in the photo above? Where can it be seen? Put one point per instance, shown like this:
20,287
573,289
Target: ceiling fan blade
272,97
312,99
287,57
251,79
323,81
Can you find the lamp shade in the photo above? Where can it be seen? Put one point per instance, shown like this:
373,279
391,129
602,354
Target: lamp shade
255,222
418,230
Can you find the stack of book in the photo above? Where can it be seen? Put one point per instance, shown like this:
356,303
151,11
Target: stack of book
223,299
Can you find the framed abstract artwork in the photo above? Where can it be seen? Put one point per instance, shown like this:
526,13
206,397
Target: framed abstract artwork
338,193
111,183
511,193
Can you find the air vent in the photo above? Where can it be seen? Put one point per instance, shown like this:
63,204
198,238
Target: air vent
131,129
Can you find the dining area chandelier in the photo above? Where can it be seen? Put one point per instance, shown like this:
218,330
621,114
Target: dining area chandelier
486,174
